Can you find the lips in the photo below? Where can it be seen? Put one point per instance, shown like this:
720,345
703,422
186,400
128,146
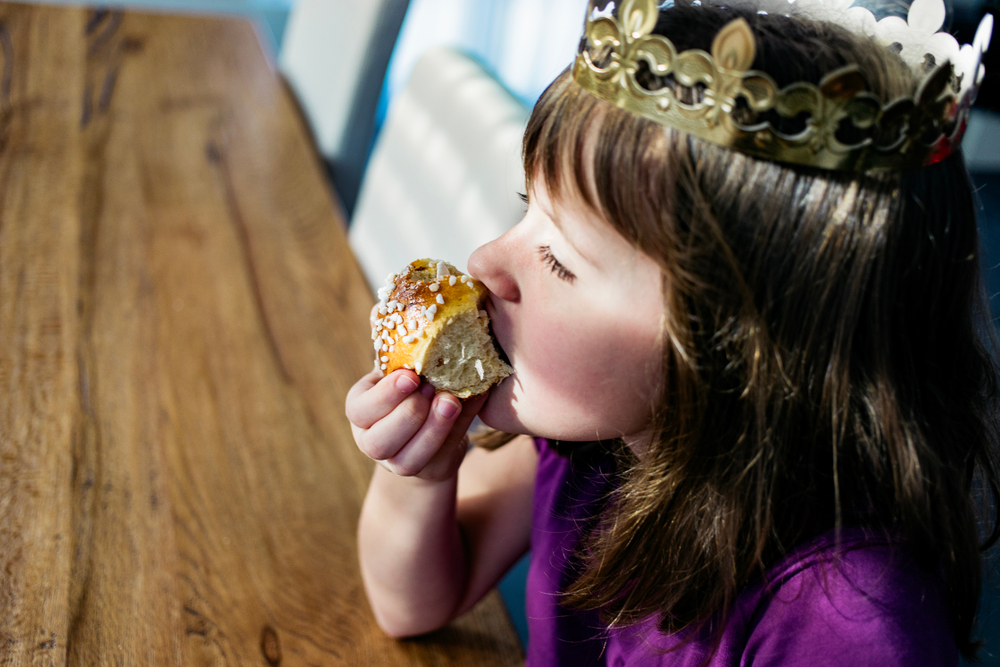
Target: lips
491,311
500,351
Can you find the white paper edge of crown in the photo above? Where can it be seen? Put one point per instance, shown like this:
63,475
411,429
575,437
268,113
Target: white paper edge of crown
918,35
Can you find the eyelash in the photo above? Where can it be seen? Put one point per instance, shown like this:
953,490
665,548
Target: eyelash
554,264
524,198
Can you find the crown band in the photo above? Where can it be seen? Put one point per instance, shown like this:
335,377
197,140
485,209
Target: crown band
848,128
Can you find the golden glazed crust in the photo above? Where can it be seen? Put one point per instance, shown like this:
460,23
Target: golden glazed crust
431,320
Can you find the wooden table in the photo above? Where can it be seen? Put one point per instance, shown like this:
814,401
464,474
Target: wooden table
180,320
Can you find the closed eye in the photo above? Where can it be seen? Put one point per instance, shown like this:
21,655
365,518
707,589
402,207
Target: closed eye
554,264
524,198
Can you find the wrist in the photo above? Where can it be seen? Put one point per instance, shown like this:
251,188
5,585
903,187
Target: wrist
413,495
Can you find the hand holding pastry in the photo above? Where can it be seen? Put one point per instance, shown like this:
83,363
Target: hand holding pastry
407,427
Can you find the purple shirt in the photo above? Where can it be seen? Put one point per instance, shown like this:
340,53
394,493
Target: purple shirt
864,602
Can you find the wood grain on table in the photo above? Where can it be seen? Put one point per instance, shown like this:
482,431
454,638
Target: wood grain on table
180,321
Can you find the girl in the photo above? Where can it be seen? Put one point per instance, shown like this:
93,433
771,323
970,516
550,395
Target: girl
754,383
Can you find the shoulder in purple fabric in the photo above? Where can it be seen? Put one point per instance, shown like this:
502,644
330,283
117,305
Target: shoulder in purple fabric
861,600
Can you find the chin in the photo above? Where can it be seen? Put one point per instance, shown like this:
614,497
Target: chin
499,411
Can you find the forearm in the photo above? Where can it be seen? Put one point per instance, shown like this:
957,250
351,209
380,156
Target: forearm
412,558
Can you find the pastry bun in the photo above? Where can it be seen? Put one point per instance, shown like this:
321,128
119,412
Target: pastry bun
430,319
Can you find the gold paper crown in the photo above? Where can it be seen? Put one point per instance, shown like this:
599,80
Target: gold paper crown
733,99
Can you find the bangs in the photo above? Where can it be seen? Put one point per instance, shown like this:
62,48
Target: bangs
615,162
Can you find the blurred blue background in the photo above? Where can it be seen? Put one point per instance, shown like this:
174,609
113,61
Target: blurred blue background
526,43
270,15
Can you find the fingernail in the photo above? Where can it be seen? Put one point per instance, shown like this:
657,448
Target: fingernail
448,408
406,384
428,391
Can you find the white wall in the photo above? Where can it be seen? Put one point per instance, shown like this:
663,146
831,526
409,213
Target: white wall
526,43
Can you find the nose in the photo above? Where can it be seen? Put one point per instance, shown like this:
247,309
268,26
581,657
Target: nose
492,264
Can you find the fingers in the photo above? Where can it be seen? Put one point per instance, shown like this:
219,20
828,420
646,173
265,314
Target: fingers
386,412
392,433
437,449
373,397
429,439
411,431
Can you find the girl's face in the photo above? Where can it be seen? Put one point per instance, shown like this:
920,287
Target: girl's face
579,313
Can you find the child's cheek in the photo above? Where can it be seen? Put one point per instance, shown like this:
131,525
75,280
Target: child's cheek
598,374
582,370
572,362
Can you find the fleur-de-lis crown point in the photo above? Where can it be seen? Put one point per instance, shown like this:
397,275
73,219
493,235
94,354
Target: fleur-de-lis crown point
734,47
726,102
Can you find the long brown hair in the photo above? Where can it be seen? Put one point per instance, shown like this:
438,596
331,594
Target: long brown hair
829,358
